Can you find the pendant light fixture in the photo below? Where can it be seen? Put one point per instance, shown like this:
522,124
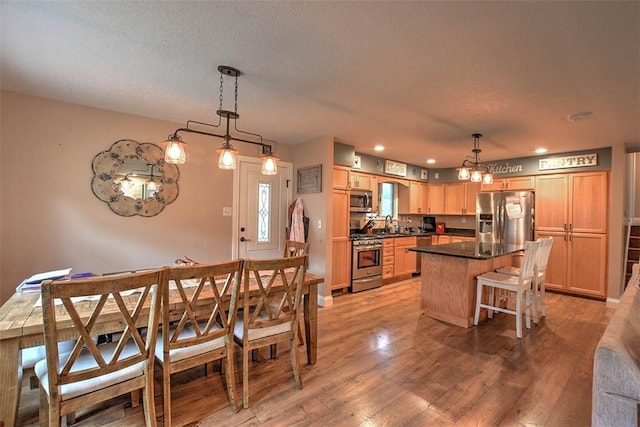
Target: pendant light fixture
151,183
471,168
175,146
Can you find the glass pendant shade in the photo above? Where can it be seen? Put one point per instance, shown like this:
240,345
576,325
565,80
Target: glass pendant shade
152,185
476,176
227,159
269,165
463,174
487,179
126,182
174,153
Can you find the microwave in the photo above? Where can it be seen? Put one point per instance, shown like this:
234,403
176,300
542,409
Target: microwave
361,200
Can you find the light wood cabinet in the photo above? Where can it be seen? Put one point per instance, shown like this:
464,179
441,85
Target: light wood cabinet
340,244
373,181
360,181
510,184
412,199
577,263
341,177
573,208
435,199
572,202
440,239
456,239
460,198
404,259
388,258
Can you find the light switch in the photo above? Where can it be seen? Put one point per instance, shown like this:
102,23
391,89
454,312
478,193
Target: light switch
226,211
319,224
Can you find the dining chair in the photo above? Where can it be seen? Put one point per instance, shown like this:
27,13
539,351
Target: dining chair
519,285
272,290
92,372
540,279
293,248
197,330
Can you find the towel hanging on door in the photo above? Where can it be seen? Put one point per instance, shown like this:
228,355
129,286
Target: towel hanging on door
297,222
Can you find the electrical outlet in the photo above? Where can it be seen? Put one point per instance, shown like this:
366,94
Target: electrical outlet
319,224
226,211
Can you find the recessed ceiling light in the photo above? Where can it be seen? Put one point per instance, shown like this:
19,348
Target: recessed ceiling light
578,116
541,150
378,148
431,161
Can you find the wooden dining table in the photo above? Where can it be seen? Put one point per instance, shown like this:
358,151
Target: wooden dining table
21,326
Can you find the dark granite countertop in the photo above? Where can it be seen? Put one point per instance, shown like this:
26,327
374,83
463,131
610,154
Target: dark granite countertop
448,232
471,250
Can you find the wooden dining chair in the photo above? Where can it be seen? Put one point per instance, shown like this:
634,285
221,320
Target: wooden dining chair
272,290
197,330
92,372
293,248
540,279
520,286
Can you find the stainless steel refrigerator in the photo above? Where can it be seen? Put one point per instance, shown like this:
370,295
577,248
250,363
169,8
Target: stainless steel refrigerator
505,217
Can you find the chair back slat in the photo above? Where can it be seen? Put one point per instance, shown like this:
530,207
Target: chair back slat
142,289
272,291
206,290
543,253
293,248
528,267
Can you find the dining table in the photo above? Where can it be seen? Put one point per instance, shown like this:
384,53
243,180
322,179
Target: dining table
21,326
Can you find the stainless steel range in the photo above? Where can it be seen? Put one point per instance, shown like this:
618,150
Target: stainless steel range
366,267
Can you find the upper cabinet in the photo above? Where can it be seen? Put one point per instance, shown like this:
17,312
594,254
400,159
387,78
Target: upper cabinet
341,177
510,184
360,181
435,199
460,198
575,202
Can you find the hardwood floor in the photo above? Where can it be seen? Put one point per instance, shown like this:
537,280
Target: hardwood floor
381,362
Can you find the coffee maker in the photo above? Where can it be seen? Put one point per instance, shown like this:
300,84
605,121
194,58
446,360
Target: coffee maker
429,224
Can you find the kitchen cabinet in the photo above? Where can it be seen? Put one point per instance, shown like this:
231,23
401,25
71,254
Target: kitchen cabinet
510,184
456,239
341,177
373,180
388,258
577,263
572,202
360,181
412,199
460,198
441,239
572,208
404,259
435,199
340,243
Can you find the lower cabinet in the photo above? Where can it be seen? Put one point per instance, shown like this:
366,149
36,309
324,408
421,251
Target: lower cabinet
341,264
405,260
578,263
388,258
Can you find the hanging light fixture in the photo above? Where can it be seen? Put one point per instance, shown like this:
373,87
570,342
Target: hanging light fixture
175,153
471,168
151,183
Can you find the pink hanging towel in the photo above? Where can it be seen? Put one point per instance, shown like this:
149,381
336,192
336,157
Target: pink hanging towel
297,222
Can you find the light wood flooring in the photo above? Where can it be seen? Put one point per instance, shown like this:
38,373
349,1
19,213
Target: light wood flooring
382,363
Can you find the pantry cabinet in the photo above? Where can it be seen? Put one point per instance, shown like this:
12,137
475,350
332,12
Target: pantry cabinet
340,243
572,208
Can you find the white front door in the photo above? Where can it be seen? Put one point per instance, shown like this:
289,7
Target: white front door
261,202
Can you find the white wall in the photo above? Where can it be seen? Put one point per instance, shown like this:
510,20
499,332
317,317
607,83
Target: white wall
50,219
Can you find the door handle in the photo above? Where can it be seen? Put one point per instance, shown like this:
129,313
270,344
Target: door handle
243,239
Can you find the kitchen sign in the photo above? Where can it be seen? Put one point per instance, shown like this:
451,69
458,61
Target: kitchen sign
578,161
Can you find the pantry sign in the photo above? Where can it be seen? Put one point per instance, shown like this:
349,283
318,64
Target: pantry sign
578,161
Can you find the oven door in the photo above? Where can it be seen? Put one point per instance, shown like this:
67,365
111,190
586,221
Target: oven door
367,261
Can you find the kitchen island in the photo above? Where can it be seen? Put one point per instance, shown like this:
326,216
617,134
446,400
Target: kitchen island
449,277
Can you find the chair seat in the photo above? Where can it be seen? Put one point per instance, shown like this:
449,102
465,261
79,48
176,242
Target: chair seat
499,280
32,355
258,333
515,271
85,360
187,351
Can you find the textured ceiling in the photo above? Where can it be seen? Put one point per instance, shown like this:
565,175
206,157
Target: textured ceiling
417,77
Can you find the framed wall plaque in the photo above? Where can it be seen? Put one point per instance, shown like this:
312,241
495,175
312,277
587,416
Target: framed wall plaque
310,179
395,168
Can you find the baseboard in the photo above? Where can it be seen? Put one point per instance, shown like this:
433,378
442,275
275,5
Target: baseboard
613,302
325,301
